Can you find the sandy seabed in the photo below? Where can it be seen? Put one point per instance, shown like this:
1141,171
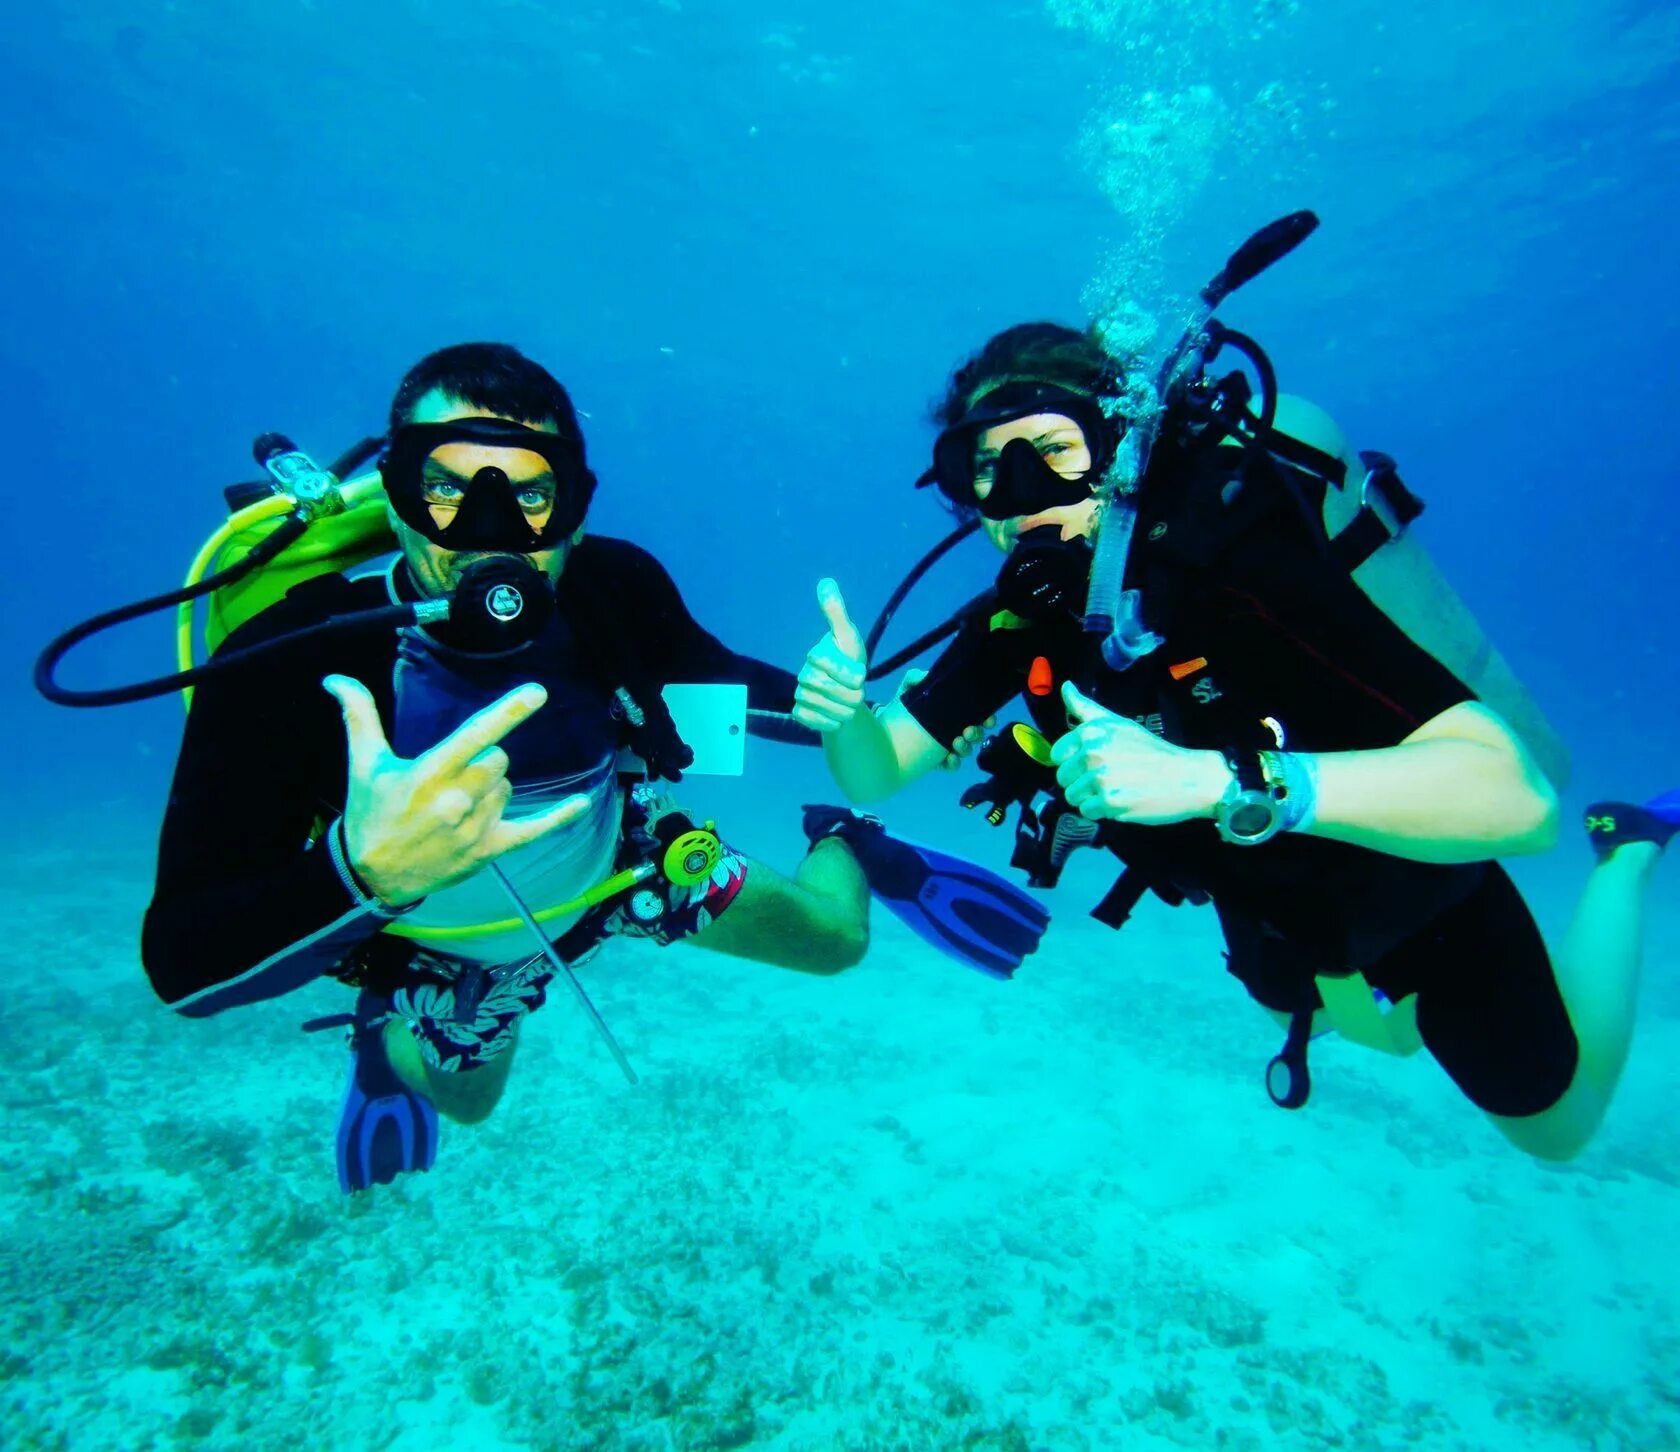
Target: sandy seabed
906,1208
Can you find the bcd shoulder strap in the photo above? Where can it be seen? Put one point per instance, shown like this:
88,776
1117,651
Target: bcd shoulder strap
591,601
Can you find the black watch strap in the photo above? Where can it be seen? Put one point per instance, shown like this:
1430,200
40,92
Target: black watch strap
1249,813
1247,768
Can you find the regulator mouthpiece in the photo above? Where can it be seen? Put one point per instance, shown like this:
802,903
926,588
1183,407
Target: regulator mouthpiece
500,604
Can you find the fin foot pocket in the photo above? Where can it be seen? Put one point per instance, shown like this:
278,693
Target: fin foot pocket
964,910
385,1129
1614,824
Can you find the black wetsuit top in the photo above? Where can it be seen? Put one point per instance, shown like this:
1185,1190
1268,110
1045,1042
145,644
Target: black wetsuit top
244,907
1261,622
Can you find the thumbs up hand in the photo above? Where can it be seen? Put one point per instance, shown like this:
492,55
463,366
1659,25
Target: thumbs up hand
1112,769
830,689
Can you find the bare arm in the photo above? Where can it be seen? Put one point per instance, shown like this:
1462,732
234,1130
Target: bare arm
879,752
871,752
1461,788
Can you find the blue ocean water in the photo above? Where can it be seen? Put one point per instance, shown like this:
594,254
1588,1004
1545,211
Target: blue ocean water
903,1208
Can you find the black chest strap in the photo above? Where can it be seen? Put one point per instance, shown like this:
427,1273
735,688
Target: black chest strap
1386,509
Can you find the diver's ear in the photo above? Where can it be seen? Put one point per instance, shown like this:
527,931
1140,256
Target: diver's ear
399,526
407,536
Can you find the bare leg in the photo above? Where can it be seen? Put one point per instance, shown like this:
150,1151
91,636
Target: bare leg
818,922
466,1098
1598,974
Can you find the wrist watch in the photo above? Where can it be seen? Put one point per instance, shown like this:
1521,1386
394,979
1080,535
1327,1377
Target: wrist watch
1249,812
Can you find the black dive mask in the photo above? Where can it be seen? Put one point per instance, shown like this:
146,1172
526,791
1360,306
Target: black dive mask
1023,480
489,514
1045,575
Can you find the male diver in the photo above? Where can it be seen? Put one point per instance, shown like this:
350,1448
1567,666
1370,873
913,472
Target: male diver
401,809
1266,738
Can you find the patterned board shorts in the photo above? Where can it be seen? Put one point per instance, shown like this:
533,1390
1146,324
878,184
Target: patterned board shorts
463,1015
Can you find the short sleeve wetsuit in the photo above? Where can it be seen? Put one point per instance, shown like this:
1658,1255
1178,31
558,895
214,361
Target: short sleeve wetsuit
1262,627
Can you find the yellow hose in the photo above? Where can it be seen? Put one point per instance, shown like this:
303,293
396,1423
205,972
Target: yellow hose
597,894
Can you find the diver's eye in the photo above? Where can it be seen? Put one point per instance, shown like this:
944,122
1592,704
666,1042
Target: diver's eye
1053,446
985,470
439,491
533,500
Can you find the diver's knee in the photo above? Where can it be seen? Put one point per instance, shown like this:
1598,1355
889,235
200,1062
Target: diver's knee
1554,1136
473,1112
470,1096
1559,1152
839,950
462,1102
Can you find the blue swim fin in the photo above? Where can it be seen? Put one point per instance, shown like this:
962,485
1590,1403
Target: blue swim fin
385,1129
1666,808
966,911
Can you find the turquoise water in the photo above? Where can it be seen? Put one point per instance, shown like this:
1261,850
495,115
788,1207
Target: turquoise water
909,1207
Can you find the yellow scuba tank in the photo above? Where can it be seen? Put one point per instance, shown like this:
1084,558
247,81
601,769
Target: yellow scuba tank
350,529
1403,582
333,542
357,531
300,524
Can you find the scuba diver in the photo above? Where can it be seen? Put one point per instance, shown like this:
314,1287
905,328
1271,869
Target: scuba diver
1189,611
382,774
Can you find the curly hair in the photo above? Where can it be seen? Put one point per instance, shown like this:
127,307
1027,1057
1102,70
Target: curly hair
1037,353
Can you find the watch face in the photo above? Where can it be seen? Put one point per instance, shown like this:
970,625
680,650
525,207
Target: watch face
1251,817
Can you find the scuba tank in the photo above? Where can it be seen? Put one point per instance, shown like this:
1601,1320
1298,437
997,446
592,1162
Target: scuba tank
347,532
273,540
1404,583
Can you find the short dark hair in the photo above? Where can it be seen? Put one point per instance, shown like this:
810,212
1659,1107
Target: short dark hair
496,377
1036,353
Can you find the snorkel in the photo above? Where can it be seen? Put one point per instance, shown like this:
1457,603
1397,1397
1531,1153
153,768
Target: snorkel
1111,611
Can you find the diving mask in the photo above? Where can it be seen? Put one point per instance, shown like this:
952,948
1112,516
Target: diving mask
490,510
1021,480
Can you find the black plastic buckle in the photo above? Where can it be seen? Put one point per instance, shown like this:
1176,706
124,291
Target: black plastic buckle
1384,495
